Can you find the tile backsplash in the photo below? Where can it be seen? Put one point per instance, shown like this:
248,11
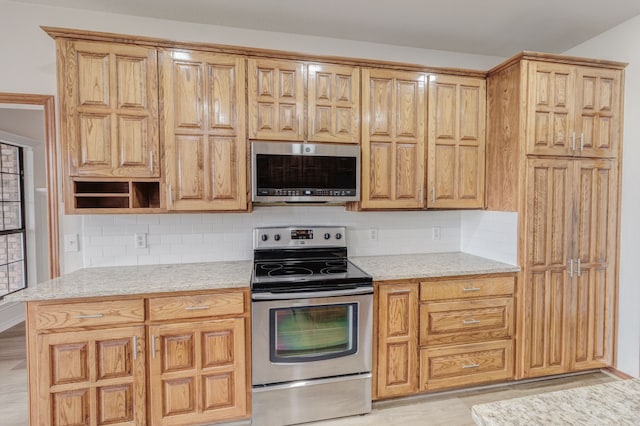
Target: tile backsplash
108,240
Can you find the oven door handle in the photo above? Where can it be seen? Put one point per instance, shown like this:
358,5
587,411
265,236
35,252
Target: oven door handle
312,294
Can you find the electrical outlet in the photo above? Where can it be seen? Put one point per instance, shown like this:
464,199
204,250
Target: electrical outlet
140,240
435,232
373,234
71,243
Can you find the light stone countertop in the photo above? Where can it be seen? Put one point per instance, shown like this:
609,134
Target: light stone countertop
407,266
131,280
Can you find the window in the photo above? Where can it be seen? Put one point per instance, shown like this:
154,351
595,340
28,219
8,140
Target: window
13,266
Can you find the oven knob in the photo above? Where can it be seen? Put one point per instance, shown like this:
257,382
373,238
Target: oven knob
327,236
338,236
276,237
264,237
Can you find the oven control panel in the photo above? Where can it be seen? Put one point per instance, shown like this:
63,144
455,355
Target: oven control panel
299,236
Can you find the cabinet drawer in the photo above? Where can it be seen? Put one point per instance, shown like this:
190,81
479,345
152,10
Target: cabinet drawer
465,288
195,306
85,314
466,321
461,365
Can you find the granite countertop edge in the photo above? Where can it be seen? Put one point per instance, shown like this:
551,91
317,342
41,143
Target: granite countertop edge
172,278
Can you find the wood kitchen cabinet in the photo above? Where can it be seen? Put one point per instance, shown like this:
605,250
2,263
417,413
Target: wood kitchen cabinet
443,333
396,331
566,191
456,142
575,110
109,108
277,93
393,139
197,362
108,96
570,280
83,373
197,372
163,360
203,121
467,325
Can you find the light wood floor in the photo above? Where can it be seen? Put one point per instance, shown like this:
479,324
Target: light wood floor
448,408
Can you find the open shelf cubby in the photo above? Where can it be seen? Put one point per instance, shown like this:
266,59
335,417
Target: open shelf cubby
121,194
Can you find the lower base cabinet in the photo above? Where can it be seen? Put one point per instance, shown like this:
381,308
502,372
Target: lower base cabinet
465,365
172,360
91,375
197,372
443,333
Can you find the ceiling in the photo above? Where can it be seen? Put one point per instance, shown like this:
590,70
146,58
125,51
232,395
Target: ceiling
487,27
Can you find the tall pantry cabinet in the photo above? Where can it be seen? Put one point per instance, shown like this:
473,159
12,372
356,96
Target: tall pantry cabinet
554,126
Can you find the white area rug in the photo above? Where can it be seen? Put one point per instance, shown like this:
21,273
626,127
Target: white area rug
616,403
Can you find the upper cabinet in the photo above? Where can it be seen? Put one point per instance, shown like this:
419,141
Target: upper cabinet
277,101
456,142
203,121
575,110
109,109
393,139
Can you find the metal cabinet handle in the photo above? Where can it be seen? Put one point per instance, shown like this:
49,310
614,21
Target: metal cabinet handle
170,196
579,266
135,347
196,308
151,161
571,267
470,365
471,321
471,289
153,346
433,194
88,316
573,141
581,141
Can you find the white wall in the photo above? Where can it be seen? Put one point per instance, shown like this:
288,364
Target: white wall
621,44
490,234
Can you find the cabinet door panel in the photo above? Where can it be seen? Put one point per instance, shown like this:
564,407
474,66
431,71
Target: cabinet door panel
109,102
397,357
598,112
456,142
593,291
205,144
548,224
93,377
198,373
551,109
393,140
333,103
276,100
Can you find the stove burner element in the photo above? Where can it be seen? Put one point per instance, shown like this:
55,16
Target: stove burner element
334,270
289,271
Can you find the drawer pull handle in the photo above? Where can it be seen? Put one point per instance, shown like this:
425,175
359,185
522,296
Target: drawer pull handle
470,365
89,316
471,321
196,308
471,289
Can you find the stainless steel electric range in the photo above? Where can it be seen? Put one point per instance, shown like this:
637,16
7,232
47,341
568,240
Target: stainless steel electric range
311,327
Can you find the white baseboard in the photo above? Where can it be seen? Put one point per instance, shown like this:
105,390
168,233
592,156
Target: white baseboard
11,314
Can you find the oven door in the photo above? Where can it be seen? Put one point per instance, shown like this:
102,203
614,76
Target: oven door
315,337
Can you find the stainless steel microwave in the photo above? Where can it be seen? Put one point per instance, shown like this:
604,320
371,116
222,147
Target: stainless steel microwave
290,172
